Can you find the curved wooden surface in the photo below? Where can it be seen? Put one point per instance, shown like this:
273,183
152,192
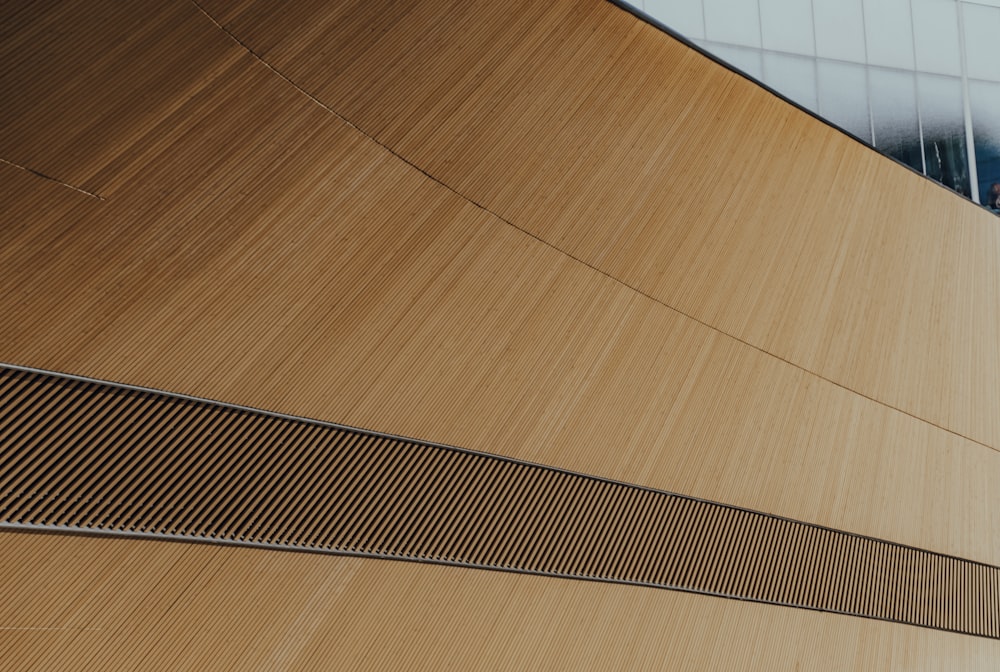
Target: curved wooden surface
88,457
535,230
130,604
616,144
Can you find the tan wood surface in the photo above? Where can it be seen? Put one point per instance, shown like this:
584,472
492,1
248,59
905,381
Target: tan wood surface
255,248
83,603
99,458
611,141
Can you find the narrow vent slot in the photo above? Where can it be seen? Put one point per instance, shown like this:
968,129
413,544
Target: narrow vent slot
79,455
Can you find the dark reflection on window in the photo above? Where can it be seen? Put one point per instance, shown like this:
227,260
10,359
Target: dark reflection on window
894,113
985,100
988,164
944,131
946,162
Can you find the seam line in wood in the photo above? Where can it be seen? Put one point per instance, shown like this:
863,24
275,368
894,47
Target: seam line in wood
52,179
570,255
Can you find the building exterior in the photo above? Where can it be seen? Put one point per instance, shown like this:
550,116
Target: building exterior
448,335
915,78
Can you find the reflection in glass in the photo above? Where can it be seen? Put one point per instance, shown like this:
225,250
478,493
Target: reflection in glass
733,22
840,29
888,33
982,41
894,115
793,76
943,125
843,97
889,72
684,16
747,60
787,25
935,34
985,100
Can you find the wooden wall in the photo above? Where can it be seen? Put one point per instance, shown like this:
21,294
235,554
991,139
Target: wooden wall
621,147
544,230
130,604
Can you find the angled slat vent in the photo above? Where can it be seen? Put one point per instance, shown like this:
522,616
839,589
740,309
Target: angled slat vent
84,455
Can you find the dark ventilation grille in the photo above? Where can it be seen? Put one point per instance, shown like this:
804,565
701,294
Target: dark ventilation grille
84,455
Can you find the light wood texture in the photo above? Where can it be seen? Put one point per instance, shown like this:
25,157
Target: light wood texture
128,604
611,141
256,249
84,456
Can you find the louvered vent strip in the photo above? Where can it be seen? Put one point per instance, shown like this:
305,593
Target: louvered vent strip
85,455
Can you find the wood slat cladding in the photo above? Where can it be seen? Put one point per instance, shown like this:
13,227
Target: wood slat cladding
254,248
81,602
613,142
72,114
80,454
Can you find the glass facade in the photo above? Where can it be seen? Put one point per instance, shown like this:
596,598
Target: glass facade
917,79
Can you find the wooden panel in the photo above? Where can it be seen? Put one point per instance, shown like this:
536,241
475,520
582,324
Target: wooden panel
156,605
257,250
612,142
82,455
36,206
83,82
